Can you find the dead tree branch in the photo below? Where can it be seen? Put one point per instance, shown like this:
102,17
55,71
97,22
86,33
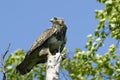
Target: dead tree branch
3,63
53,66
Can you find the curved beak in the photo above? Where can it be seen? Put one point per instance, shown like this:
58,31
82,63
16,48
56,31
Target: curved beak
51,20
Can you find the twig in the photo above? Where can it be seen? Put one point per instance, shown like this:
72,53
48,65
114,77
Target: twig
3,63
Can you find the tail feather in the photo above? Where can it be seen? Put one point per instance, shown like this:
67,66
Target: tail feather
25,66
29,62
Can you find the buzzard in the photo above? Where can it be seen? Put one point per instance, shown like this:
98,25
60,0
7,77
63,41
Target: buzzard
50,42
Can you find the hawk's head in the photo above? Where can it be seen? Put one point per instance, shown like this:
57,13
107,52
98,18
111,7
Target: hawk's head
57,20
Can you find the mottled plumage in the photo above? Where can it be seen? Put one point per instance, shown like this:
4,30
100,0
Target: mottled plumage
51,41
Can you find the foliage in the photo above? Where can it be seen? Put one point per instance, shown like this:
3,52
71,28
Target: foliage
14,59
85,64
90,64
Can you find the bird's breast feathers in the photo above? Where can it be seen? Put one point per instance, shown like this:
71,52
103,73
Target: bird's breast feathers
54,41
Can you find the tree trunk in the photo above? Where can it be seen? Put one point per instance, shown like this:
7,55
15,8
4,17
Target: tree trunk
53,66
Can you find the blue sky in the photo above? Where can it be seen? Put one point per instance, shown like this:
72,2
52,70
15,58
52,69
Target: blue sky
22,21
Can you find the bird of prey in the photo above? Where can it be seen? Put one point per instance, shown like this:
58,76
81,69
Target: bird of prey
50,42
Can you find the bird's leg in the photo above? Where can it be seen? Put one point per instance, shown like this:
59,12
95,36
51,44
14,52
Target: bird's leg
48,51
58,52
59,49
45,51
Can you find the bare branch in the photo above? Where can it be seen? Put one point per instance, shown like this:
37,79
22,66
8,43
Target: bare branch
6,51
3,63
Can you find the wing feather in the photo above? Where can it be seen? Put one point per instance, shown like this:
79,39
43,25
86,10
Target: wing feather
42,39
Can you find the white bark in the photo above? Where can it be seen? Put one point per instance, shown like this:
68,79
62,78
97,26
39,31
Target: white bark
53,66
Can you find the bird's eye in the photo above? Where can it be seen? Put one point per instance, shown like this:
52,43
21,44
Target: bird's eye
55,18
